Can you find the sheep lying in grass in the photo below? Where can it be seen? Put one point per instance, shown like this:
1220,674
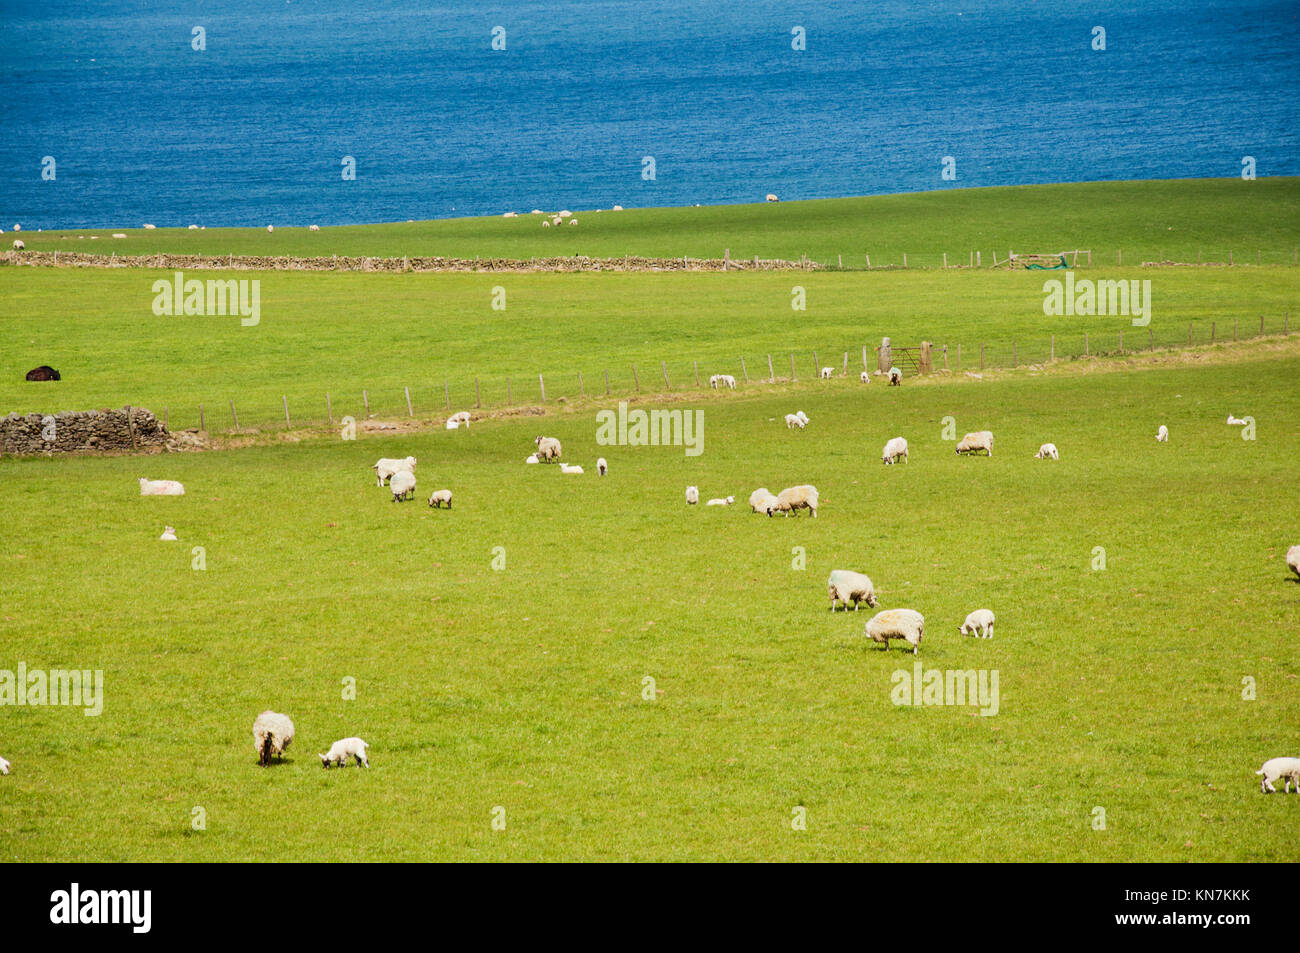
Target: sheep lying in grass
795,498
601,466
439,497
895,448
975,442
272,734
761,499
864,377
4,766
343,749
452,425
979,623
403,485
161,488
1235,421
1275,768
548,448
827,372
895,376
1293,559
169,534
572,468
846,586
905,624
692,495
719,501
387,466
531,458
1162,435
1047,452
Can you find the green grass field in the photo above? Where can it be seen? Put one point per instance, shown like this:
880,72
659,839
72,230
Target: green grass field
1176,219
522,688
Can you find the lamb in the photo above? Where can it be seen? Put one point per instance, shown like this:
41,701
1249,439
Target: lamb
771,197
343,749
761,499
18,244
1275,768
193,228
895,448
728,380
161,488
546,223
601,466
692,495
403,485
827,372
149,228
864,377
979,623
714,379
721,502
565,213
453,424
440,497
1293,559
387,466
570,468
4,766
1162,435
846,586
573,221
168,534
895,376
313,228
1047,452
511,215
270,228
272,734
531,458
1235,421
974,442
548,448
905,624
616,208
794,420
792,499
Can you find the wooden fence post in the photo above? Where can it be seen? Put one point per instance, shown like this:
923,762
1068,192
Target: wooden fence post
978,262
904,259
409,411
841,261
1015,358
607,382
541,383
202,424
446,393
581,389
845,372
1119,257
1261,325
771,374
945,259
945,358
726,259
130,424
663,368
817,365
696,365
1085,344
234,416
365,400
744,370
1212,323
636,381
288,425
792,377
1121,340
329,408
478,397
868,262
1151,339
1189,334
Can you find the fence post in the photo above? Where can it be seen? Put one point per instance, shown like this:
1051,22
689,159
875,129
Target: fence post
1286,317
771,374
868,262
1121,340
607,382
581,389
130,424
904,259
409,411
696,365
792,377
978,262
1119,256
478,397
1230,256
959,357
1212,323
726,259
981,356
1085,344
287,424
1015,357
945,358
945,259
636,380
817,364
841,260
329,408
845,372
541,382
864,358
234,416
744,370
446,393
663,368
202,423
365,400
1261,325
1189,334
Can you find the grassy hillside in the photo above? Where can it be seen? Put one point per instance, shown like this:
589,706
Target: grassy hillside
1177,219
342,333
521,688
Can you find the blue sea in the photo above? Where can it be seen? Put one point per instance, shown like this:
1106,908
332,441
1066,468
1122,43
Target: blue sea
254,128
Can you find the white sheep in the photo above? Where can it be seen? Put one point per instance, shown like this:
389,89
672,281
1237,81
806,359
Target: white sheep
761,499
343,749
719,501
546,223
149,228
536,211
385,467
1275,768
601,466
616,208
692,495
1047,451
193,228
827,372
272,734
573,221
1235,421
728,380
845,586
18,244
531,458
864,377
794,420
714,379
403,485
161,488
439,497
905,624
564,213
168,534
453,425
313,228
462,417
17,227
548,448
1293,559
1162,435
895,448
511,215
4,766
570,468
270,228
974,442
978,623
119,234
771,197
795,498
895,376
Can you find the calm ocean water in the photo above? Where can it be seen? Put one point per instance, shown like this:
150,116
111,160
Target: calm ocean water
253,129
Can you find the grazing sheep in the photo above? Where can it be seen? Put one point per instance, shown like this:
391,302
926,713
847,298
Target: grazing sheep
617,208
905,624
548,448
119,234
771,197
864,377
719,501
794,420
761,499
570,468
546,223
161,488
573,221
601,466
193,228
149,227
979,623
895,448
387,466
18,244
974,442
1235,421
270,228
313,228
564,213
1047,452
403,485
1293,559
692,495
343,749
1275,768
4,766
728,380
1162,435
168,534
795,498
531,458
536,211
461,418
895,376
272,734
827,372
846,586
440,497
714,379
